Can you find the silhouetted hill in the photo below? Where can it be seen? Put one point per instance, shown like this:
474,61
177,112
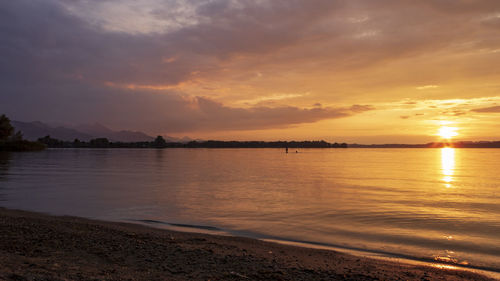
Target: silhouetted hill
95,129
35,130
98,130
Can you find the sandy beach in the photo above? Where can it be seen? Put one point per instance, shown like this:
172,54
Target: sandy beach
41,247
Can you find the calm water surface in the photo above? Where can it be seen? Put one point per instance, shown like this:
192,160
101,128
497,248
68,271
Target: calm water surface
429,204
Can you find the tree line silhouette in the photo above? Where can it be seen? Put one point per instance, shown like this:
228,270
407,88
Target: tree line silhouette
160,142
10,140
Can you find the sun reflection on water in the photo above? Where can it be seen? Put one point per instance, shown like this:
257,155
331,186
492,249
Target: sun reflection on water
447,165
445,266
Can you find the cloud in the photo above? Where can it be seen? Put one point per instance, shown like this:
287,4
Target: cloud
144,64
361,108
491,109
90,70
212,115
150,16
157,113
454,112
271,98
91,39
427,87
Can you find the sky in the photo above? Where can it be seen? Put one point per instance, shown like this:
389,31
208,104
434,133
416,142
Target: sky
387,71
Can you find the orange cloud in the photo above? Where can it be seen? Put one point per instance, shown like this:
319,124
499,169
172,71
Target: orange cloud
491,109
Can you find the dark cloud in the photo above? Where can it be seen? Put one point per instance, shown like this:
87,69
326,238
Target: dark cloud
42,40
491,109
453,110
361,108
153,112
55,66
211,115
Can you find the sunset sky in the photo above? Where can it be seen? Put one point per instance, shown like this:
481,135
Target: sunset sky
349,71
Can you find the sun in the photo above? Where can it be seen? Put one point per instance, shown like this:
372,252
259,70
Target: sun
447,132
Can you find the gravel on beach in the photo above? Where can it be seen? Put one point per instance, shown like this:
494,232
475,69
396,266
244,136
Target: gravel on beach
35,246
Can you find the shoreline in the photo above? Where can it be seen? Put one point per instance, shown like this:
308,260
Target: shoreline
358,252
36,246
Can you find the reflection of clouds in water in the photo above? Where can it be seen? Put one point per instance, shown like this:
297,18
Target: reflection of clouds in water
448,165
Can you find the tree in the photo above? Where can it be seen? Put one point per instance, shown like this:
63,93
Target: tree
99,142
18,136
51,142
6,129
160,142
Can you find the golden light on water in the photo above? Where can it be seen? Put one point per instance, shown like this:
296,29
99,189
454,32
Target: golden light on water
447,165
445,266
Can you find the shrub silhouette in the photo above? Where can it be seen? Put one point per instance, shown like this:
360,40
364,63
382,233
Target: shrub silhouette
15,142
6,129
160,142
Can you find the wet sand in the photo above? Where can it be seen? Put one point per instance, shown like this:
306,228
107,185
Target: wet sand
41,247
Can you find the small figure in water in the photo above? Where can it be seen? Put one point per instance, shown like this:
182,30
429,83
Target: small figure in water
296,151
286,149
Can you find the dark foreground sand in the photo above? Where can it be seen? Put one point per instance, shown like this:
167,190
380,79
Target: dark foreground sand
41,247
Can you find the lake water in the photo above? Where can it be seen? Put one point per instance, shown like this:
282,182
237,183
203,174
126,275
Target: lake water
421,204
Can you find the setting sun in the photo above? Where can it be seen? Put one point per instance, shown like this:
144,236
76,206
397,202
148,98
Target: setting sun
447,132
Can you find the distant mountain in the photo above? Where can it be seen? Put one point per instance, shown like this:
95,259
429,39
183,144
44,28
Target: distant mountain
181,140
95,129
174,139
35,130
187,139
99,130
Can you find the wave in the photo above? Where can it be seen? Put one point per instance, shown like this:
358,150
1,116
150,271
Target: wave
202,227
331,246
